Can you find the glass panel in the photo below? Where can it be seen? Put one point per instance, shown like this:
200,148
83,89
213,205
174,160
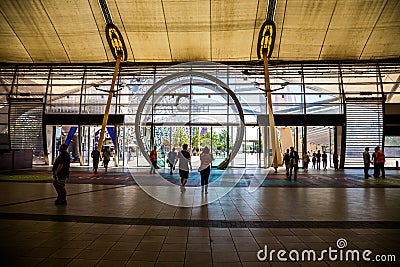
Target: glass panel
356,80
392,151
318,103
6,75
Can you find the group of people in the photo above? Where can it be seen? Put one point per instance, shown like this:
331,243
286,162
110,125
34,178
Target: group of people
97,157
291,161
318,157
183,159
378,160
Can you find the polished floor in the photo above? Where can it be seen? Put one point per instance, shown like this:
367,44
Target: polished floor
157,223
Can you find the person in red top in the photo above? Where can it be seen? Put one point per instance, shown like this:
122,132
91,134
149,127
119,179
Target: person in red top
153,159
380,161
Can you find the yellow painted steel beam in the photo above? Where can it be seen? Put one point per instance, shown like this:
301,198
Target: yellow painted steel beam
276,154
110,95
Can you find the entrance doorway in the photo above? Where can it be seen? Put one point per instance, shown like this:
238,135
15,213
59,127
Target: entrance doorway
218,138
81,141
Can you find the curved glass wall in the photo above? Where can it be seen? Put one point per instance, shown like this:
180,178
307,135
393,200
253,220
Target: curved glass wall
297,89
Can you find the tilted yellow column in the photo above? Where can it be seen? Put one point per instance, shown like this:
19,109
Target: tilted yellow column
110,95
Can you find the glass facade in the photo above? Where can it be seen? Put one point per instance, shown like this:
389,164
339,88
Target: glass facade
193,105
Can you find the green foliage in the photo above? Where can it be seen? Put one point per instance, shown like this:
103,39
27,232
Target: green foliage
196,138
180,137
205,140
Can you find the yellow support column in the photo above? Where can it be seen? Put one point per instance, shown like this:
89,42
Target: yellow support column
110,95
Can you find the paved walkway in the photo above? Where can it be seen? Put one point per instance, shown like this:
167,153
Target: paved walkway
160,225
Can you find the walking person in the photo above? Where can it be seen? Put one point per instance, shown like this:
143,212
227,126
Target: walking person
153,159
286,161
306,161
184,165
376,167
106,158
367,162
318,156
171,160
60,174
335,160
294,163
96,159
380,161
205,168
314,159
324,160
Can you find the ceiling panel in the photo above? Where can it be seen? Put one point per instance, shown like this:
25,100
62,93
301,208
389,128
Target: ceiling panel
348,43
187,16
356,14
139,16
303,28
72,14
305,14
190,46
44,49
233,15
150,46
231,45
11,48
81,48
187,30
32,26
299,44
83,44
382,37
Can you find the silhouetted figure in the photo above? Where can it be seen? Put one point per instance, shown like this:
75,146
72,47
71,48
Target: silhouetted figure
367,162
96,159
106,158
314,159
286,161
324,160
335,161
294,163
376,167
306,161
60,174
318,156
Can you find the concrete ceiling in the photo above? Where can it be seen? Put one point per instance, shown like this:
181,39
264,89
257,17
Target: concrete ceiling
72,31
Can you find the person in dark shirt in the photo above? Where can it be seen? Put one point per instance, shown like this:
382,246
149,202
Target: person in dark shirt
318,155
60,174
294,163
324,160
286,161
96,158
336,160
184,165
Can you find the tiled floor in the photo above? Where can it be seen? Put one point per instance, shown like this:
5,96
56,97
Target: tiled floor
119,225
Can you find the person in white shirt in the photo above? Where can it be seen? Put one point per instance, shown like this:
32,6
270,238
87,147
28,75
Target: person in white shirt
172,158
205,168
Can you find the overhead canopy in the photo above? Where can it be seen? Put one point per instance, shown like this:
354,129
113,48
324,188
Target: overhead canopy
48,31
